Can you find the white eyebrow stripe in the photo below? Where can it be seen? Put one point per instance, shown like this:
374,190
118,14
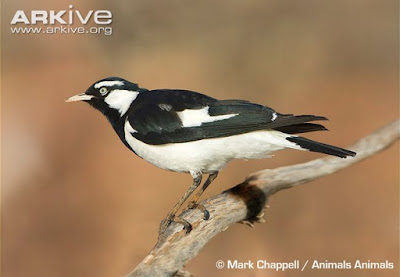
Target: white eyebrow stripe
194,118
108,84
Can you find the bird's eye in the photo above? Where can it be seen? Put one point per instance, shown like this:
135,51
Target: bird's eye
103,91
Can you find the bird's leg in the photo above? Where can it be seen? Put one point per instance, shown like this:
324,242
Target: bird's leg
171,215
193,203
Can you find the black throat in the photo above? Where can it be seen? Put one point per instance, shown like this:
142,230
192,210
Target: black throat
113,116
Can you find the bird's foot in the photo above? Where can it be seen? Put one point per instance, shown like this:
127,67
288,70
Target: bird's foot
172,218
206,213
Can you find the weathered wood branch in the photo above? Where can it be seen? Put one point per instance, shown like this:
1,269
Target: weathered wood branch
245,203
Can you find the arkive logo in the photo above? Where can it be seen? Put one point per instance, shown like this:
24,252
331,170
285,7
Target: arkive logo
101,17
65,19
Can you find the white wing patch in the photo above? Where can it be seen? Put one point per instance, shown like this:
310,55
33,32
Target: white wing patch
274,116
108,84
194,118
121,100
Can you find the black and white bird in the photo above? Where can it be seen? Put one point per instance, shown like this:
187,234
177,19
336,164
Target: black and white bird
185,131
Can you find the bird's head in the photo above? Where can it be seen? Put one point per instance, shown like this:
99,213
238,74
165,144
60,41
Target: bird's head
109,94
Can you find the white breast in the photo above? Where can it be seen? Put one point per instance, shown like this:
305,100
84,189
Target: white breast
209,155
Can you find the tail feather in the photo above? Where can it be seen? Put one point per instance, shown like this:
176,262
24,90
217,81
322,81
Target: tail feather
284,120
319,147
301,128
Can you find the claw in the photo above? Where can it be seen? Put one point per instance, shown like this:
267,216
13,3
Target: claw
172,218
186,225
206,213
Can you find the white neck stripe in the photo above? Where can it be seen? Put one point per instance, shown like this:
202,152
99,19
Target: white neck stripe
121,100
108,84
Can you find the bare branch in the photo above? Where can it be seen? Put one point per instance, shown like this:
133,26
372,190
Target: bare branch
245,203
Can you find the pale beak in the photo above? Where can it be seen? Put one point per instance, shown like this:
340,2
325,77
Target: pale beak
79,97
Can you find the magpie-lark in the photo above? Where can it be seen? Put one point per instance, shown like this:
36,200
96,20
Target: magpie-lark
185,131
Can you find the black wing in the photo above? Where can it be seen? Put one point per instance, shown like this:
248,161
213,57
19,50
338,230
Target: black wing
158,122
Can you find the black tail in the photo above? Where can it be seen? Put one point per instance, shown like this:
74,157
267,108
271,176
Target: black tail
294,124
321,147
301,128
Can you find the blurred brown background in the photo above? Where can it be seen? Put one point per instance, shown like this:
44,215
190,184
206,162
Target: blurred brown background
76,202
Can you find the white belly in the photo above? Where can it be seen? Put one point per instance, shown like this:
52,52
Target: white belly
210,155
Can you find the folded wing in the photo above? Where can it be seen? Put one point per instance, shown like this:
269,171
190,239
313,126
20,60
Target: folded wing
205,118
